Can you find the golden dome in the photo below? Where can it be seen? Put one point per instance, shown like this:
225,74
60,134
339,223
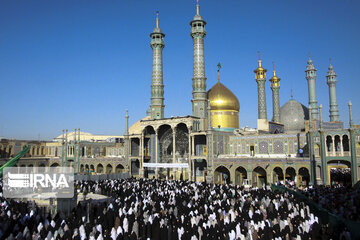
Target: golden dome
222,99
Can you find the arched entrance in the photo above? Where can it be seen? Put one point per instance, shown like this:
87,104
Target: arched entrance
278,174
135,165
222,175
119,168
290,174
200,169
82,168
259,177
149,149
240,175
304,176
92,169
165,140
99,168
87,168
109,168
339,172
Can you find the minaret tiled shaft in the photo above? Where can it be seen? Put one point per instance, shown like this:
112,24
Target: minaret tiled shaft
198,33
311,78
331,81
157,88
260,76
275,87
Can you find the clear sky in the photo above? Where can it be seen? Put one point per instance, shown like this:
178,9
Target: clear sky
82,63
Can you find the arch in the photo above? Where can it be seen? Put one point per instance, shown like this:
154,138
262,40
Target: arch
165,143
183,124
337,143
92,168
148,130
109,168
181,140
259,176
119,168
329,143
318,173
200,168
222,175
240,175
290,173
87,168
278,174
149,140
304,176
99,168
345,143
42,165
339,172
55,165
82,168
135,166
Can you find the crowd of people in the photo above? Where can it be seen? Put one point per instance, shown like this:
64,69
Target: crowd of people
341,201
156,209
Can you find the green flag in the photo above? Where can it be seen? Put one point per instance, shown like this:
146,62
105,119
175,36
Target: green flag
219,65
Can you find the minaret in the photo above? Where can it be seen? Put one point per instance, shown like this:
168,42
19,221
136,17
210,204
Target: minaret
198,33
331,81
311,78
275,87
157,44
260,76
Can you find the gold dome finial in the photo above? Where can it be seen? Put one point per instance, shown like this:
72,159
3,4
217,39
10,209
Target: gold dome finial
275,81
274,71
259,59
219,67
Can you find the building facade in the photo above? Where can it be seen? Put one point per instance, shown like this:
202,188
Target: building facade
209,145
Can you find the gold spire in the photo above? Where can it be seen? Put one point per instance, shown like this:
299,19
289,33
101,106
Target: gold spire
260,71
275,81
157,19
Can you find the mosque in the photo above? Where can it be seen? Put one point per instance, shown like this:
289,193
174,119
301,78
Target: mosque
296,144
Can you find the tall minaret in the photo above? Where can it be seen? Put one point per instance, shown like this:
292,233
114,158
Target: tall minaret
260,76
311,78
331,81
199,101
157,106
275,87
